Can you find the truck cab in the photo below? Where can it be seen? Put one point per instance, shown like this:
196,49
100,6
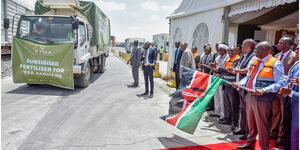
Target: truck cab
61,28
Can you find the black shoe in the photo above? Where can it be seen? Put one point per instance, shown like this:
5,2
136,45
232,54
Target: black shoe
151,96
144,94
273,137
244,137
221,119
233,128
209,109
172,94
238,132
245,146
214,115
225,121
279,142
132,86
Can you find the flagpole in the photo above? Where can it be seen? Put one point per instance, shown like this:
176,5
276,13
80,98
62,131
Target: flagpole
241,87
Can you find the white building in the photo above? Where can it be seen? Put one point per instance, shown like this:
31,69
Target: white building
9,9
161,40
198,22
129,43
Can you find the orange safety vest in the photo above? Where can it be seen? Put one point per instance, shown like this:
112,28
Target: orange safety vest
265,75
195,55
229,61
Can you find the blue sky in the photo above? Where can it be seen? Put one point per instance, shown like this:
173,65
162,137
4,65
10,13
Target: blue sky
136,18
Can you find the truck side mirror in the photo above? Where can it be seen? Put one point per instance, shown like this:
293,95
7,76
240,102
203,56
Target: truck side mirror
6,23
75,24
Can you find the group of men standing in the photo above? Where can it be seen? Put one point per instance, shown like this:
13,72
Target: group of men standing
145,57
263,96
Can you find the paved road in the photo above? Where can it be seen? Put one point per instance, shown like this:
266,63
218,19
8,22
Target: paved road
106,115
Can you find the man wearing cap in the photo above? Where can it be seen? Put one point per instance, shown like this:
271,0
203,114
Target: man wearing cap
219,95
264,78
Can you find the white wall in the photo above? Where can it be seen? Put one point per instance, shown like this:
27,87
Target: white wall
232,36
188,24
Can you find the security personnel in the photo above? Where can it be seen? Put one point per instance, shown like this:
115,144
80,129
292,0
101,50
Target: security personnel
264,78
231,96
161,51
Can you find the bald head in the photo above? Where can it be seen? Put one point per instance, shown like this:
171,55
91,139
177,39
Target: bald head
285,43
263,49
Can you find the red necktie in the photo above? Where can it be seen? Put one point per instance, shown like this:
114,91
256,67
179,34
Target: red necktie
253,74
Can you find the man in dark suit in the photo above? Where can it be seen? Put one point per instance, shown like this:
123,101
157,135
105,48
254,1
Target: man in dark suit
205,59
280,108
176,66
291,91
148,65
241,71
231,97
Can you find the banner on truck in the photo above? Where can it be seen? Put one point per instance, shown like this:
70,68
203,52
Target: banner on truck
38,63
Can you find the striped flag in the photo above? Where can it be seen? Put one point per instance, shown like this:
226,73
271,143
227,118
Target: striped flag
197,96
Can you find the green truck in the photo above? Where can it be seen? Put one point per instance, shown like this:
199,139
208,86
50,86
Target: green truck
62,44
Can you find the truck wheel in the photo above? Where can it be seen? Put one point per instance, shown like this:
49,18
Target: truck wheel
102,64
96,65
84,79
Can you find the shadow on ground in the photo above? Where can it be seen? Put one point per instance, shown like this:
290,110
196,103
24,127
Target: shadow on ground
175,141
45,89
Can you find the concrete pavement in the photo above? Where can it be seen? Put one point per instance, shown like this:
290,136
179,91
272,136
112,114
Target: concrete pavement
105,116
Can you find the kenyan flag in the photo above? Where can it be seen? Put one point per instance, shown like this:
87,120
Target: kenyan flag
197,96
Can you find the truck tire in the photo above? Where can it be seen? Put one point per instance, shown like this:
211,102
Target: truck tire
84,80
102,64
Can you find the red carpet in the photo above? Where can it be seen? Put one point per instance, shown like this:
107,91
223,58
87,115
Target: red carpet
219,146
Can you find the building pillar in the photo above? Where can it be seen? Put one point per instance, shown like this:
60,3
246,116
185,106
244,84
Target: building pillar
225,20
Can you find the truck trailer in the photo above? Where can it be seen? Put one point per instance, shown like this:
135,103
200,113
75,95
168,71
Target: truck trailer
62,44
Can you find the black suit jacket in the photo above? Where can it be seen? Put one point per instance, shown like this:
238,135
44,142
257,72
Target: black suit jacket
244,63
151,57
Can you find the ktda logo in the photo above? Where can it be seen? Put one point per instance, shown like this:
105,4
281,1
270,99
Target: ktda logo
42,51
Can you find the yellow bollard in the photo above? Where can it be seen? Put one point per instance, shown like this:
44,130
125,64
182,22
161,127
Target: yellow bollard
156,73
172,82
165,57
166,77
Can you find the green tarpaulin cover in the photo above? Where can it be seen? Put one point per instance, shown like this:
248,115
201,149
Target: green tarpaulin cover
39,63
98,20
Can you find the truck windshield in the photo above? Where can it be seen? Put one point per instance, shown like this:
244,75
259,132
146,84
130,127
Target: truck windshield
46,29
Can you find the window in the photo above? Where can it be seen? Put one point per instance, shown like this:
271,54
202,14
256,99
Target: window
24,28
178,35
200,37
82,34
45,29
